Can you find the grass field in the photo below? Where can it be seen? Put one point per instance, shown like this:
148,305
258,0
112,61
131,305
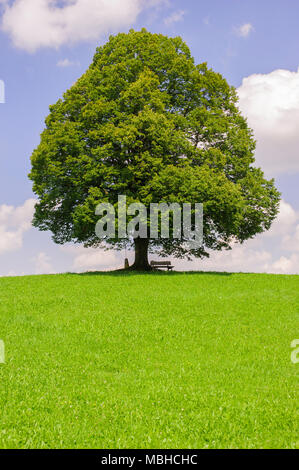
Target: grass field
176,360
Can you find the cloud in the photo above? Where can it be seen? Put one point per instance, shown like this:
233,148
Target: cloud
276,251
33,24
287,265
271,252
291,242
43,264
13,273
244,30
175,17
14,222
93,259
271,104
66,63
285,221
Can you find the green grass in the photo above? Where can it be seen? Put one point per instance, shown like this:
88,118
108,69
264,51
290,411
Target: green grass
178,360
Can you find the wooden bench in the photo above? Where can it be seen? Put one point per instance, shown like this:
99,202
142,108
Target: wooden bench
162,264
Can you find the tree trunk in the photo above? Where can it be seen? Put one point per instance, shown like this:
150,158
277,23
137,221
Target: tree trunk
141,255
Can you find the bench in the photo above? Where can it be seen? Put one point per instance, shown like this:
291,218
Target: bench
162,264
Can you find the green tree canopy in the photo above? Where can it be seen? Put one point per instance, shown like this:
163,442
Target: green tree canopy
145,121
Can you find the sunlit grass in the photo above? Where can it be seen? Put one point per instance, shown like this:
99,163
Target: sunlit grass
165,360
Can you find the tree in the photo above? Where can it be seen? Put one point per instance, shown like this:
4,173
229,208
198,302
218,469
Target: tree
145,121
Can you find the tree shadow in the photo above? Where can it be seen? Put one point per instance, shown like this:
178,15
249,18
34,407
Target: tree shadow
128,273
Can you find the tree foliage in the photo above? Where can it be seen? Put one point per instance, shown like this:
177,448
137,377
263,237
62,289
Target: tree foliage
145,121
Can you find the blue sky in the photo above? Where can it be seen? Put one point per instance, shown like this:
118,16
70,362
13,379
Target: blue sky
254,44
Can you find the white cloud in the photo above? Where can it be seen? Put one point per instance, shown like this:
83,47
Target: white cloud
244,258
290,241
175,17
93,259
266,253
13,273
276,251
14,222
67,63
43,264
287,265
33,24
271,104
244,30
285,222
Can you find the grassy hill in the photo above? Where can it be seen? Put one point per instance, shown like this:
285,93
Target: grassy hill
159,360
